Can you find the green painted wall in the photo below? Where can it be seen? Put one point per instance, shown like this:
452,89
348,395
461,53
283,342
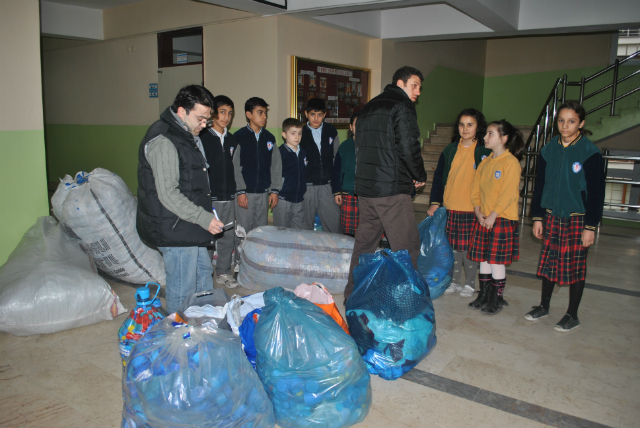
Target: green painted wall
24,186
519,98
445,92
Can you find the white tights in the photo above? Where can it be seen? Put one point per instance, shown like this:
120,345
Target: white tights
496,271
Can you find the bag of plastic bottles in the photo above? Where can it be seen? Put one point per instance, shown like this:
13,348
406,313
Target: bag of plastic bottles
435,262
278,257
180,375
390,314
309,366
141,318
246,335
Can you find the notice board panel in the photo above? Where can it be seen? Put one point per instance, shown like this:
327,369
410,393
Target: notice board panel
344,89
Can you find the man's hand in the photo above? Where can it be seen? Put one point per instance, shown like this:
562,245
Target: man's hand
432,210
418,184
537,229
588,236
243,201
215,227
338,199
273,200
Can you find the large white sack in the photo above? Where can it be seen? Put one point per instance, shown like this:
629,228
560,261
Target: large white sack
49,284
279,257
100,210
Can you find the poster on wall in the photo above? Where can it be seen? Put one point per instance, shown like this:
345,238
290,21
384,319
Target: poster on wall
344,89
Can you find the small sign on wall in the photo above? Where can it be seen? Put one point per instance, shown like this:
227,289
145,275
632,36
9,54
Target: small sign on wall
181,58
153,90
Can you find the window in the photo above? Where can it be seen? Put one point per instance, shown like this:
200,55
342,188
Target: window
628,42
181,47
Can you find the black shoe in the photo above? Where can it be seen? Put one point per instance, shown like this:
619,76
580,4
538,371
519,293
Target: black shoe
536,313
483,292
496,302
567,323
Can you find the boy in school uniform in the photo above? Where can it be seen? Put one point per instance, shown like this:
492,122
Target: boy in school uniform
257,168
290,211
220,147
320,141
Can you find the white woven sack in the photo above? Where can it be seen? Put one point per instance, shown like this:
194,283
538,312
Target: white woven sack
48,285
99,209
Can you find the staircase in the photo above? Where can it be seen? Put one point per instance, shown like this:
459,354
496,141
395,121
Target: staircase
432,148
609,125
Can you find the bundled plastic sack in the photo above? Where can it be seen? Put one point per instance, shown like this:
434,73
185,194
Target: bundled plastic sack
99,209
184,376
318,294
390,314
435,262
48,284
309,366
279,257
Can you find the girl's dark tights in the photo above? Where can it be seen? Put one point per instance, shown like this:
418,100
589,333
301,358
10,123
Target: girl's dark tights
575,295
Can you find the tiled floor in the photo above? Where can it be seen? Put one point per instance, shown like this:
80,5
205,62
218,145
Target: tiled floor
499,371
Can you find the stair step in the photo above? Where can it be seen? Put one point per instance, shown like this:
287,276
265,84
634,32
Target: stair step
439,139
430,156
444,130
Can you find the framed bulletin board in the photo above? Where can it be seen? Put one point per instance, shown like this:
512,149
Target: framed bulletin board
344,89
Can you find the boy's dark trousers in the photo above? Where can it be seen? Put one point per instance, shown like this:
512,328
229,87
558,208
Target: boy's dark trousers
320,199
225,241
289,214
393,215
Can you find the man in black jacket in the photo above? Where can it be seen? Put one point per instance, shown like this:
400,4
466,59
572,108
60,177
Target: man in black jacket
388,168
174,197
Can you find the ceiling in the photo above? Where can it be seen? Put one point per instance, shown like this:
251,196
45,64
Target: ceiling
421,20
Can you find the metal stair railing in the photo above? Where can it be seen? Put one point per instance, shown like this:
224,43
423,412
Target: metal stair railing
545,126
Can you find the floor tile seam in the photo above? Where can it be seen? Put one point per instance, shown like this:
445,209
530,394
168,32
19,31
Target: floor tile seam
604,288
550,417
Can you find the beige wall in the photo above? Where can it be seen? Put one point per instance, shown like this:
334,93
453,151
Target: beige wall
520,55
240,61
103,83
20,87
305,39
463,55
152,16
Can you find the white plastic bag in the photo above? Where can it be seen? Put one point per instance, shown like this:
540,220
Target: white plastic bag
100,210
48,285
278,257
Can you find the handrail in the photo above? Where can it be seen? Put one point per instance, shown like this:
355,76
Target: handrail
545,124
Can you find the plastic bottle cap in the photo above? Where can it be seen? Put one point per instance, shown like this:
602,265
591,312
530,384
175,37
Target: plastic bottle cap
143,295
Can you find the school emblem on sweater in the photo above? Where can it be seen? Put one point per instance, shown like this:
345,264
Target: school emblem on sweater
305,161
330,141
498,174
482,158
231,151
269,145
576,167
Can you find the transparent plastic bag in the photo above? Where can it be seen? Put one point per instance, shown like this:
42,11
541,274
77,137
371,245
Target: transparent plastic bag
435,262
181,375
390,314
309,366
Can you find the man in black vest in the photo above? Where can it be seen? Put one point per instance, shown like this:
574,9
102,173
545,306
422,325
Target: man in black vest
388,168
174,197
320,141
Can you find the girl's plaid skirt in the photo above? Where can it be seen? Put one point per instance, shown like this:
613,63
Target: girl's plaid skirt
563,259
459,226
498,246
349,214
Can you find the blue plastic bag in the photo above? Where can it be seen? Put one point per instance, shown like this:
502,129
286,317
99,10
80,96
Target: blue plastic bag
309,366
390,314
181,375
246,335
435,262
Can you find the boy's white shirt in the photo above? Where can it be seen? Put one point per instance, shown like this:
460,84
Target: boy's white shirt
221,136
296,149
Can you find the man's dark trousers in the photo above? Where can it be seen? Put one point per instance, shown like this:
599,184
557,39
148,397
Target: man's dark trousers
393,215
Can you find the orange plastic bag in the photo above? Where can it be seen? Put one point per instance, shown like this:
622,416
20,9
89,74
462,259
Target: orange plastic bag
318,294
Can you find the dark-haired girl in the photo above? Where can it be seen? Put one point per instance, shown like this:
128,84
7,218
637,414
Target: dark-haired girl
451,188
570,188
494,238
344,171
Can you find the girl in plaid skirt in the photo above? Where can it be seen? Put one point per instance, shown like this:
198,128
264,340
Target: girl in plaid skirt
344,170
568,197
451,188
494,238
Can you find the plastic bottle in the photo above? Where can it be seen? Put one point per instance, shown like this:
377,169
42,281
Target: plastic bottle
140,320
158,305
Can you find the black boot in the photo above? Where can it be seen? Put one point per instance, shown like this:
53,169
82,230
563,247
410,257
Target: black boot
483,291
496,302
